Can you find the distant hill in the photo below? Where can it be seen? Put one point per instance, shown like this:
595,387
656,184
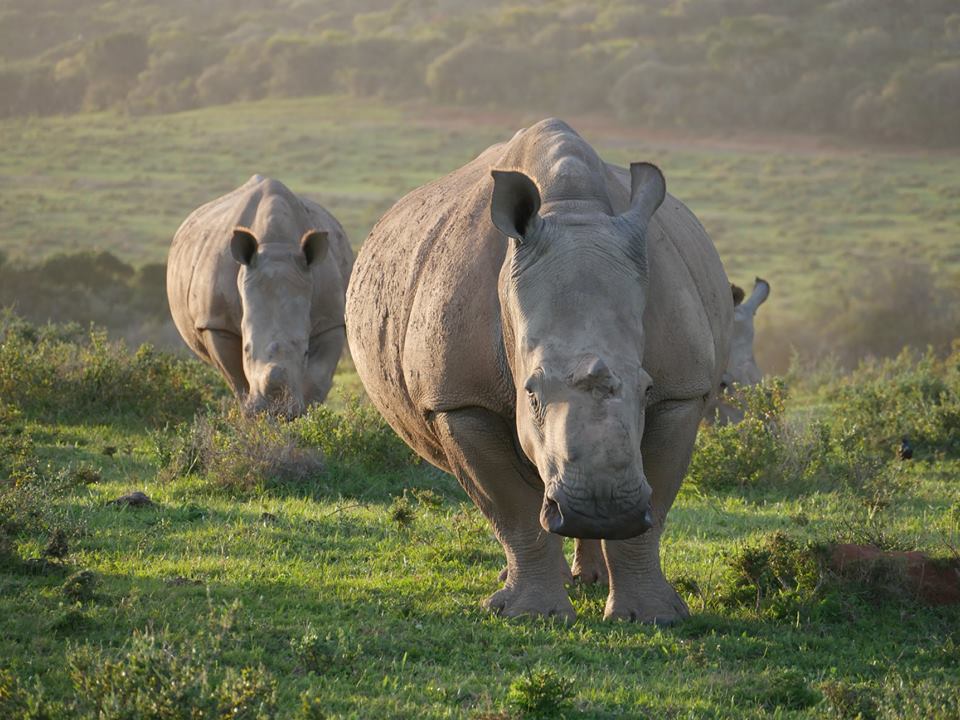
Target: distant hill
879,70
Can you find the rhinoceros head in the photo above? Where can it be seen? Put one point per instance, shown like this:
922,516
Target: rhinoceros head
276,290
572,293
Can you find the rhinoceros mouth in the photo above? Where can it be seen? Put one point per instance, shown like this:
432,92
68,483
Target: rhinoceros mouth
615,519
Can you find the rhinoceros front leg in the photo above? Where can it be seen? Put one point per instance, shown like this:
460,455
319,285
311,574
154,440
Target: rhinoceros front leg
225,351
638,588
480,451
325,351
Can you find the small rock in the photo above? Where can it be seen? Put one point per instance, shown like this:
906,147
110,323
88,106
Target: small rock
135,499
905,452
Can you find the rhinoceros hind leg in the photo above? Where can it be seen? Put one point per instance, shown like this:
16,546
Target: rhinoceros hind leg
480,451
638,589
225,351
589,565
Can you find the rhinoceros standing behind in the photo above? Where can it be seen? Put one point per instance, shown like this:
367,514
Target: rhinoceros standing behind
742,368
560,374
256,281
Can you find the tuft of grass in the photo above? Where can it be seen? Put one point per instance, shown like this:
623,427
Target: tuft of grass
541,693
80,587
849,700
402,512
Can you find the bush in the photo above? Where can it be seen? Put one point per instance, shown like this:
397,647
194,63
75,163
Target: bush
357,435
49,373
748,453
241,453
918,398
774,573
153,677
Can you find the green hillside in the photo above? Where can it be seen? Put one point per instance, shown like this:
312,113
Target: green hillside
868,69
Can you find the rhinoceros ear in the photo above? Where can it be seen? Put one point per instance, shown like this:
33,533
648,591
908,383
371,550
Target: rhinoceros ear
243,245
761,291
647,191
314,244
515,204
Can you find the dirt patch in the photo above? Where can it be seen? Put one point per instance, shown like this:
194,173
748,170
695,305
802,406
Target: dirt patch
937,581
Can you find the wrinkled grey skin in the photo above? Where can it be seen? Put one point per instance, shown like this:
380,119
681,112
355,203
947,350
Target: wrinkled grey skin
524,324
256,282
742,368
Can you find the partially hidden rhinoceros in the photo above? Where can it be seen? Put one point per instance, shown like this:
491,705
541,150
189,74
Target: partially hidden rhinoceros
548,328
742,369
256,281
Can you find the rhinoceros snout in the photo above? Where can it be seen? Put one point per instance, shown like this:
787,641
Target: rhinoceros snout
610,519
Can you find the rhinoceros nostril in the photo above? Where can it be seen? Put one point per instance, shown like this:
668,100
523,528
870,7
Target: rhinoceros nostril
552,515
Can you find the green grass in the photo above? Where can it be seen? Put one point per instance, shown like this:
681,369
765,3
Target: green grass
371,614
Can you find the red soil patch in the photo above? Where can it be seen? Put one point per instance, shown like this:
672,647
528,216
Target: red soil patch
936,581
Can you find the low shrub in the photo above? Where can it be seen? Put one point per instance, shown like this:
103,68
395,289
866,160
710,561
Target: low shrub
541,693
24,703
154,677
777,688
17,457
241,453
849,700
53,373
357,435
775,574
749,452
767,449
918,398
332,653
81,586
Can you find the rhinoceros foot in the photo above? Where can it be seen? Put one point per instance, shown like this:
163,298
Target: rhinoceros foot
659,605
589,567
531,599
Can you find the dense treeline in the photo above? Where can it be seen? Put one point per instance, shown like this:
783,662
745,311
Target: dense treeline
877,69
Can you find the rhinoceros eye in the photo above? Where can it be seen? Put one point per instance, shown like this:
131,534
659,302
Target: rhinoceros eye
532,388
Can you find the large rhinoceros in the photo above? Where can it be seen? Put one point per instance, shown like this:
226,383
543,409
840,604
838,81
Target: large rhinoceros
560,374
256,281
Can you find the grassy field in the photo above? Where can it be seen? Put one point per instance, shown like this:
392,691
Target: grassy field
354,590
818,221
